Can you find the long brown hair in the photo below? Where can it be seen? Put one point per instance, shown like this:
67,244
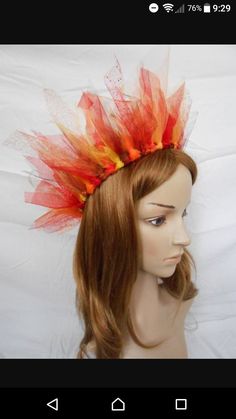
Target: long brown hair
106,256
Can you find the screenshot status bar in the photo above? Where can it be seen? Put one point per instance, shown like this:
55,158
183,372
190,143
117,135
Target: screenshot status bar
170,8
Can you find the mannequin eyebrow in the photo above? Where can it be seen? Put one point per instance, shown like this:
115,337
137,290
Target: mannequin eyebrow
162,205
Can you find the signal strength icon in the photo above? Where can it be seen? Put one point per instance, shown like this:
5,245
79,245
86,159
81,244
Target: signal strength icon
180,9
168,7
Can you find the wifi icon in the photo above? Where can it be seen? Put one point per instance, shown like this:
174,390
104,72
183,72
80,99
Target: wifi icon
168,7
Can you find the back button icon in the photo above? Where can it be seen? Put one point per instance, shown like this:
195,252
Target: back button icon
53,404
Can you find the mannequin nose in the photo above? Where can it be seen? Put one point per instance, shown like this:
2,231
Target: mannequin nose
181,236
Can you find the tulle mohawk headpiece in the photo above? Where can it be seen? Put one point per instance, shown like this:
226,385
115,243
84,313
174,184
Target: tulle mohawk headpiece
73,164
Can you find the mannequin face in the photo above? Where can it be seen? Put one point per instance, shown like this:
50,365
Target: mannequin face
163,232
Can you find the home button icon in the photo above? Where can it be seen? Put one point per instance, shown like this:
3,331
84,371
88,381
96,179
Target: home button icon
117,405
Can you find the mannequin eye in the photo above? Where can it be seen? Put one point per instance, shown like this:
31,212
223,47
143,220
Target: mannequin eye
157,222
160,221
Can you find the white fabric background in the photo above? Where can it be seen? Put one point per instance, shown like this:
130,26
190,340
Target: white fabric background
38,317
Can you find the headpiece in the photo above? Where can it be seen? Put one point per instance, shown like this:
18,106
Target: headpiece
71,165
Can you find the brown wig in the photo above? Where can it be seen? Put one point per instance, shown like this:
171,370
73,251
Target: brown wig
106,257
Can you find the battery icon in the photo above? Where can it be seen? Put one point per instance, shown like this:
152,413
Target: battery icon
207,8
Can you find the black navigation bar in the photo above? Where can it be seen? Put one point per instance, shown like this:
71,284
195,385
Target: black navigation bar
110,403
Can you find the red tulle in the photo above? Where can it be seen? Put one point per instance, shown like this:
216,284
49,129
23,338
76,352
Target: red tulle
73,164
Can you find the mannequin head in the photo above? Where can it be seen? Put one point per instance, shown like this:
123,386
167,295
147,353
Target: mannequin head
118,237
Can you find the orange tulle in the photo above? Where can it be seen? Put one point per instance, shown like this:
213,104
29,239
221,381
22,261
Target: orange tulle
73,164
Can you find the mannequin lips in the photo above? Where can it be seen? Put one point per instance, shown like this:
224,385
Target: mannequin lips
174,259
175,256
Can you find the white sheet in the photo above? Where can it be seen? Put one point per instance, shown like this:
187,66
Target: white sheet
38,318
